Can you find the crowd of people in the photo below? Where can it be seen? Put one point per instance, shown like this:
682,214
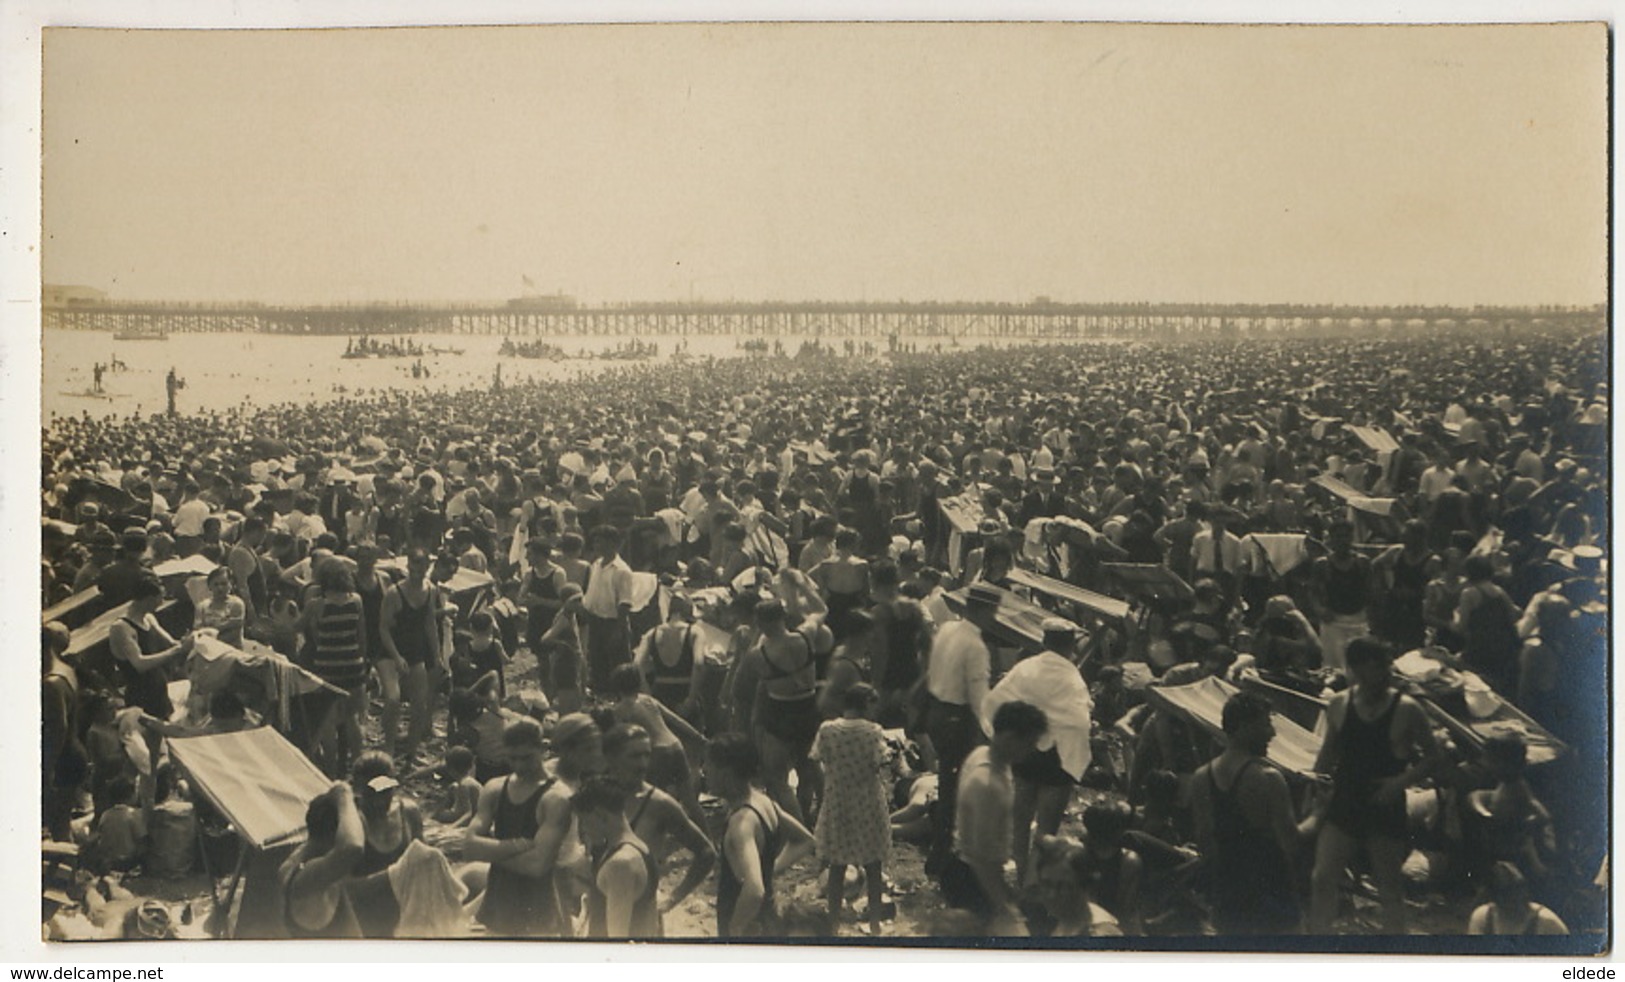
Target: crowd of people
735,609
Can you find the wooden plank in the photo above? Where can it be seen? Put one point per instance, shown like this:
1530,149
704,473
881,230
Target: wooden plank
74,609
95,632
1107,607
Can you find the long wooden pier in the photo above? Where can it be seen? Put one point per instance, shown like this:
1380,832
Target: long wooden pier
1039,320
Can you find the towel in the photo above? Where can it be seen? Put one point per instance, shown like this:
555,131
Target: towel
517,548
675,520
1283,552
645,587
430,896
1050,682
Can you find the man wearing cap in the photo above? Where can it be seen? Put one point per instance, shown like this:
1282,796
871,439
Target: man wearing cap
958,671
1045,778
117,580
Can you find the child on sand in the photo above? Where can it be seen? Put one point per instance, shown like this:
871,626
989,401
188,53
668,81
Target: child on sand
462,793
854,824
481,652
119,841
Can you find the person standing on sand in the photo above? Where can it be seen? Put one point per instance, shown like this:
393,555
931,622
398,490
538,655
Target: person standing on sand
1378,743
1245,822
854,820
607,606
974,879
655,816
760,840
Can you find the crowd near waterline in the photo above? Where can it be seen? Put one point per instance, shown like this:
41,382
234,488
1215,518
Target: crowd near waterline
1232,637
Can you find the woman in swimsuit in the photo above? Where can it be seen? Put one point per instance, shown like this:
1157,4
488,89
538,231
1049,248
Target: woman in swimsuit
1511,911
390,821
314,901
666,659
221,610
786,713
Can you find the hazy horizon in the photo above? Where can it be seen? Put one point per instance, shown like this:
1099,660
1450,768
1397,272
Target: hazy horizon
761,163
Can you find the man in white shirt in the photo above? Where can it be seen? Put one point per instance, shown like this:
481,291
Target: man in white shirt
607,604
189,517
957,674
1436,479
1217,553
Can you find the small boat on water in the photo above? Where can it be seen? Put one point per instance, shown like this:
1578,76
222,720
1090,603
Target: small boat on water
444,351
158,335
91,394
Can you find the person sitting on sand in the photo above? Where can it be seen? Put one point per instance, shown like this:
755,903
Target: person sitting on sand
314,901
462,795
119,840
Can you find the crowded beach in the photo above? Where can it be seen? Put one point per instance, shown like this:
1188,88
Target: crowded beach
1215,639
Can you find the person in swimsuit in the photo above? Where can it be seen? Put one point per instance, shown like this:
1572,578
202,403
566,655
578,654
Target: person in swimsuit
621,901
312,879
1063,878
843,579
1486,620
371,584
221,610
390,822
668,732
655,816
1378,743
851,664
1404,572
333,623
1340,588
799,593
1246,826
760,840
64,762
541,596
519,833
666,659
1510,910
786,713
410,631
142,648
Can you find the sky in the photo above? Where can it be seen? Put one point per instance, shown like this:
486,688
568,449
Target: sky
1390,165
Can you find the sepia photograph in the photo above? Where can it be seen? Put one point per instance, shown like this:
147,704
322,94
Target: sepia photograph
1044,485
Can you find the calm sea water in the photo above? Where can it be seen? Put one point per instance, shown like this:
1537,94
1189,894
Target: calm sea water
226,370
